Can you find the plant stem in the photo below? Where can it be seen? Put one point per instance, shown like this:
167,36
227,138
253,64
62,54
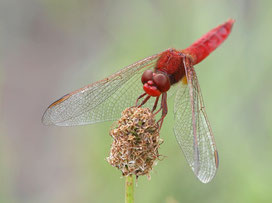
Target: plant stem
129,189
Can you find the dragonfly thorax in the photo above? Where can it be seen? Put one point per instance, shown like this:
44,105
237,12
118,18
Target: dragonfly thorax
171,62
155,83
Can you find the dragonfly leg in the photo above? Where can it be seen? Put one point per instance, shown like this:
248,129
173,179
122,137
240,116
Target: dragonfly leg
141,96
164,109
144,101
158,111
155,104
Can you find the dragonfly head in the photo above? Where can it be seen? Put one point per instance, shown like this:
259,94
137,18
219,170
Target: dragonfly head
155,83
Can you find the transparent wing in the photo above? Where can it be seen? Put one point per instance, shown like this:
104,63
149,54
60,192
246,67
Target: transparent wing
192,129
103,100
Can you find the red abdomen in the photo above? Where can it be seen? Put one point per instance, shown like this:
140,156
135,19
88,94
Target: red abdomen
171,61
208,42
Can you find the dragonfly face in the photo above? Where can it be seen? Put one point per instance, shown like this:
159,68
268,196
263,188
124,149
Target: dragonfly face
155,83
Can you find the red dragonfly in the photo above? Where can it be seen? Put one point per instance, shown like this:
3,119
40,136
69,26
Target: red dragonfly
148,82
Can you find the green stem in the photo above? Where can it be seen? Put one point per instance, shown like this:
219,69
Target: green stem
129,189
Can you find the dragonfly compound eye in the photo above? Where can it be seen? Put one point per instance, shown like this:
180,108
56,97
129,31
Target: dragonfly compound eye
162,82
147,76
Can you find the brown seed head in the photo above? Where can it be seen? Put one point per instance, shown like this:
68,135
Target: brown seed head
135,142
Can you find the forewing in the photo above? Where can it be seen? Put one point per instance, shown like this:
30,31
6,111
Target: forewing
103,100
192,128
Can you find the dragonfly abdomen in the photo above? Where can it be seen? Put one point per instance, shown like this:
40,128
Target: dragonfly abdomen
201,48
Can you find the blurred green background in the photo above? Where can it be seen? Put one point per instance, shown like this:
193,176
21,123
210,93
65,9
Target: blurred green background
51,47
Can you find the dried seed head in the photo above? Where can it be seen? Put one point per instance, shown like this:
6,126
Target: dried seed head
135,142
